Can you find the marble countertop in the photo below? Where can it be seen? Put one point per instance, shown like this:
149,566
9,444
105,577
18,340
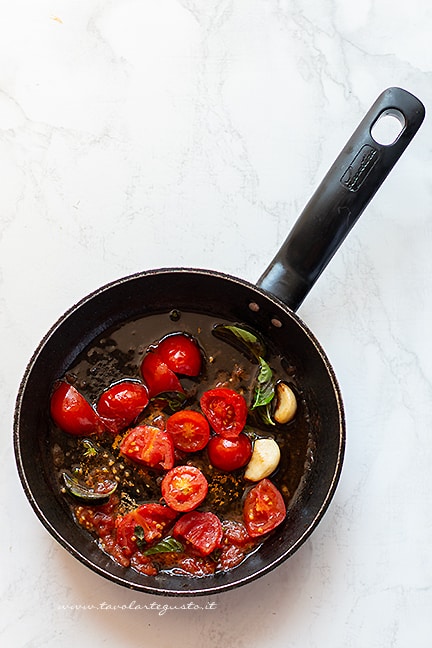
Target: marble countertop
138,135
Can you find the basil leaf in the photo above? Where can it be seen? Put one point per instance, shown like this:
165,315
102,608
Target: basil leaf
249,342
264,391
166,545
84,493
265,414
242,334
242,338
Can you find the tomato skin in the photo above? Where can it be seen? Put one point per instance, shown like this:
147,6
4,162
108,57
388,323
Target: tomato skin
120,404
150,446
189,430
184,488
226,411
264,509
201,530
181,354
197,565
236,542
153,519
99,519
229,454
230,557
235,533
158,376
143,564
125,532
72,413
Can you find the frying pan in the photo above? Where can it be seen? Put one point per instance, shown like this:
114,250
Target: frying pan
268,307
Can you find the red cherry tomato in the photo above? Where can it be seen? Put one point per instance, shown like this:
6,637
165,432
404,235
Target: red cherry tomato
202,531
190,430
125,531
229,454
226,411
184,488
150,446
181,354
264,508
235,533
120,404
158,376
153,519
236,542
73,413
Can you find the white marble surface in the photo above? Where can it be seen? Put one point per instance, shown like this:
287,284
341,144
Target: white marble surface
142,134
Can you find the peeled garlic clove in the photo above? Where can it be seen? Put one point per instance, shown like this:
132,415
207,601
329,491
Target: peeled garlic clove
265,459
286,403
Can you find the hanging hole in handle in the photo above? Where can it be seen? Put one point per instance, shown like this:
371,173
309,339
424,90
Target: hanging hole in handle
388,127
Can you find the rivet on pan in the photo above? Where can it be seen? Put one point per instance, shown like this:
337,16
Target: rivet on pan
254,307
276,322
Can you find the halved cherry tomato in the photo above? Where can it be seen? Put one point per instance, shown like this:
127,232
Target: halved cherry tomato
73,413
236,542
184,488
226,411
152,518
264,508
158,376
120,404
149,445
229,454
235,533
230,556
190,430
202,531
181,354
126,538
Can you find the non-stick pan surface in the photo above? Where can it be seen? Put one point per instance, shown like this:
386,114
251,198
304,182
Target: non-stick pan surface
268,308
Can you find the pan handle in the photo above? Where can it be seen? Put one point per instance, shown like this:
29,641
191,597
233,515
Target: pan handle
352,181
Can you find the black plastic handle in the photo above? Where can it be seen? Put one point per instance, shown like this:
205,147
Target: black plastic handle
352,181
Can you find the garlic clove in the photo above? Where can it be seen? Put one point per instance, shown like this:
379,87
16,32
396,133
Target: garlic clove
286,403
265,459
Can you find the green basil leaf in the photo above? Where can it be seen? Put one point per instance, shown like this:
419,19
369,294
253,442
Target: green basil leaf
264,390
265,414
84,493
242,334
168,544
241,338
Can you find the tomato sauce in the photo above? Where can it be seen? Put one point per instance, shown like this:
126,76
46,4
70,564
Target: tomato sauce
118,356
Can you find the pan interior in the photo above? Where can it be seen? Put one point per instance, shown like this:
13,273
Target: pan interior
162,291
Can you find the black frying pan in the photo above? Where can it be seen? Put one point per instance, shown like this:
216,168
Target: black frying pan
268,307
